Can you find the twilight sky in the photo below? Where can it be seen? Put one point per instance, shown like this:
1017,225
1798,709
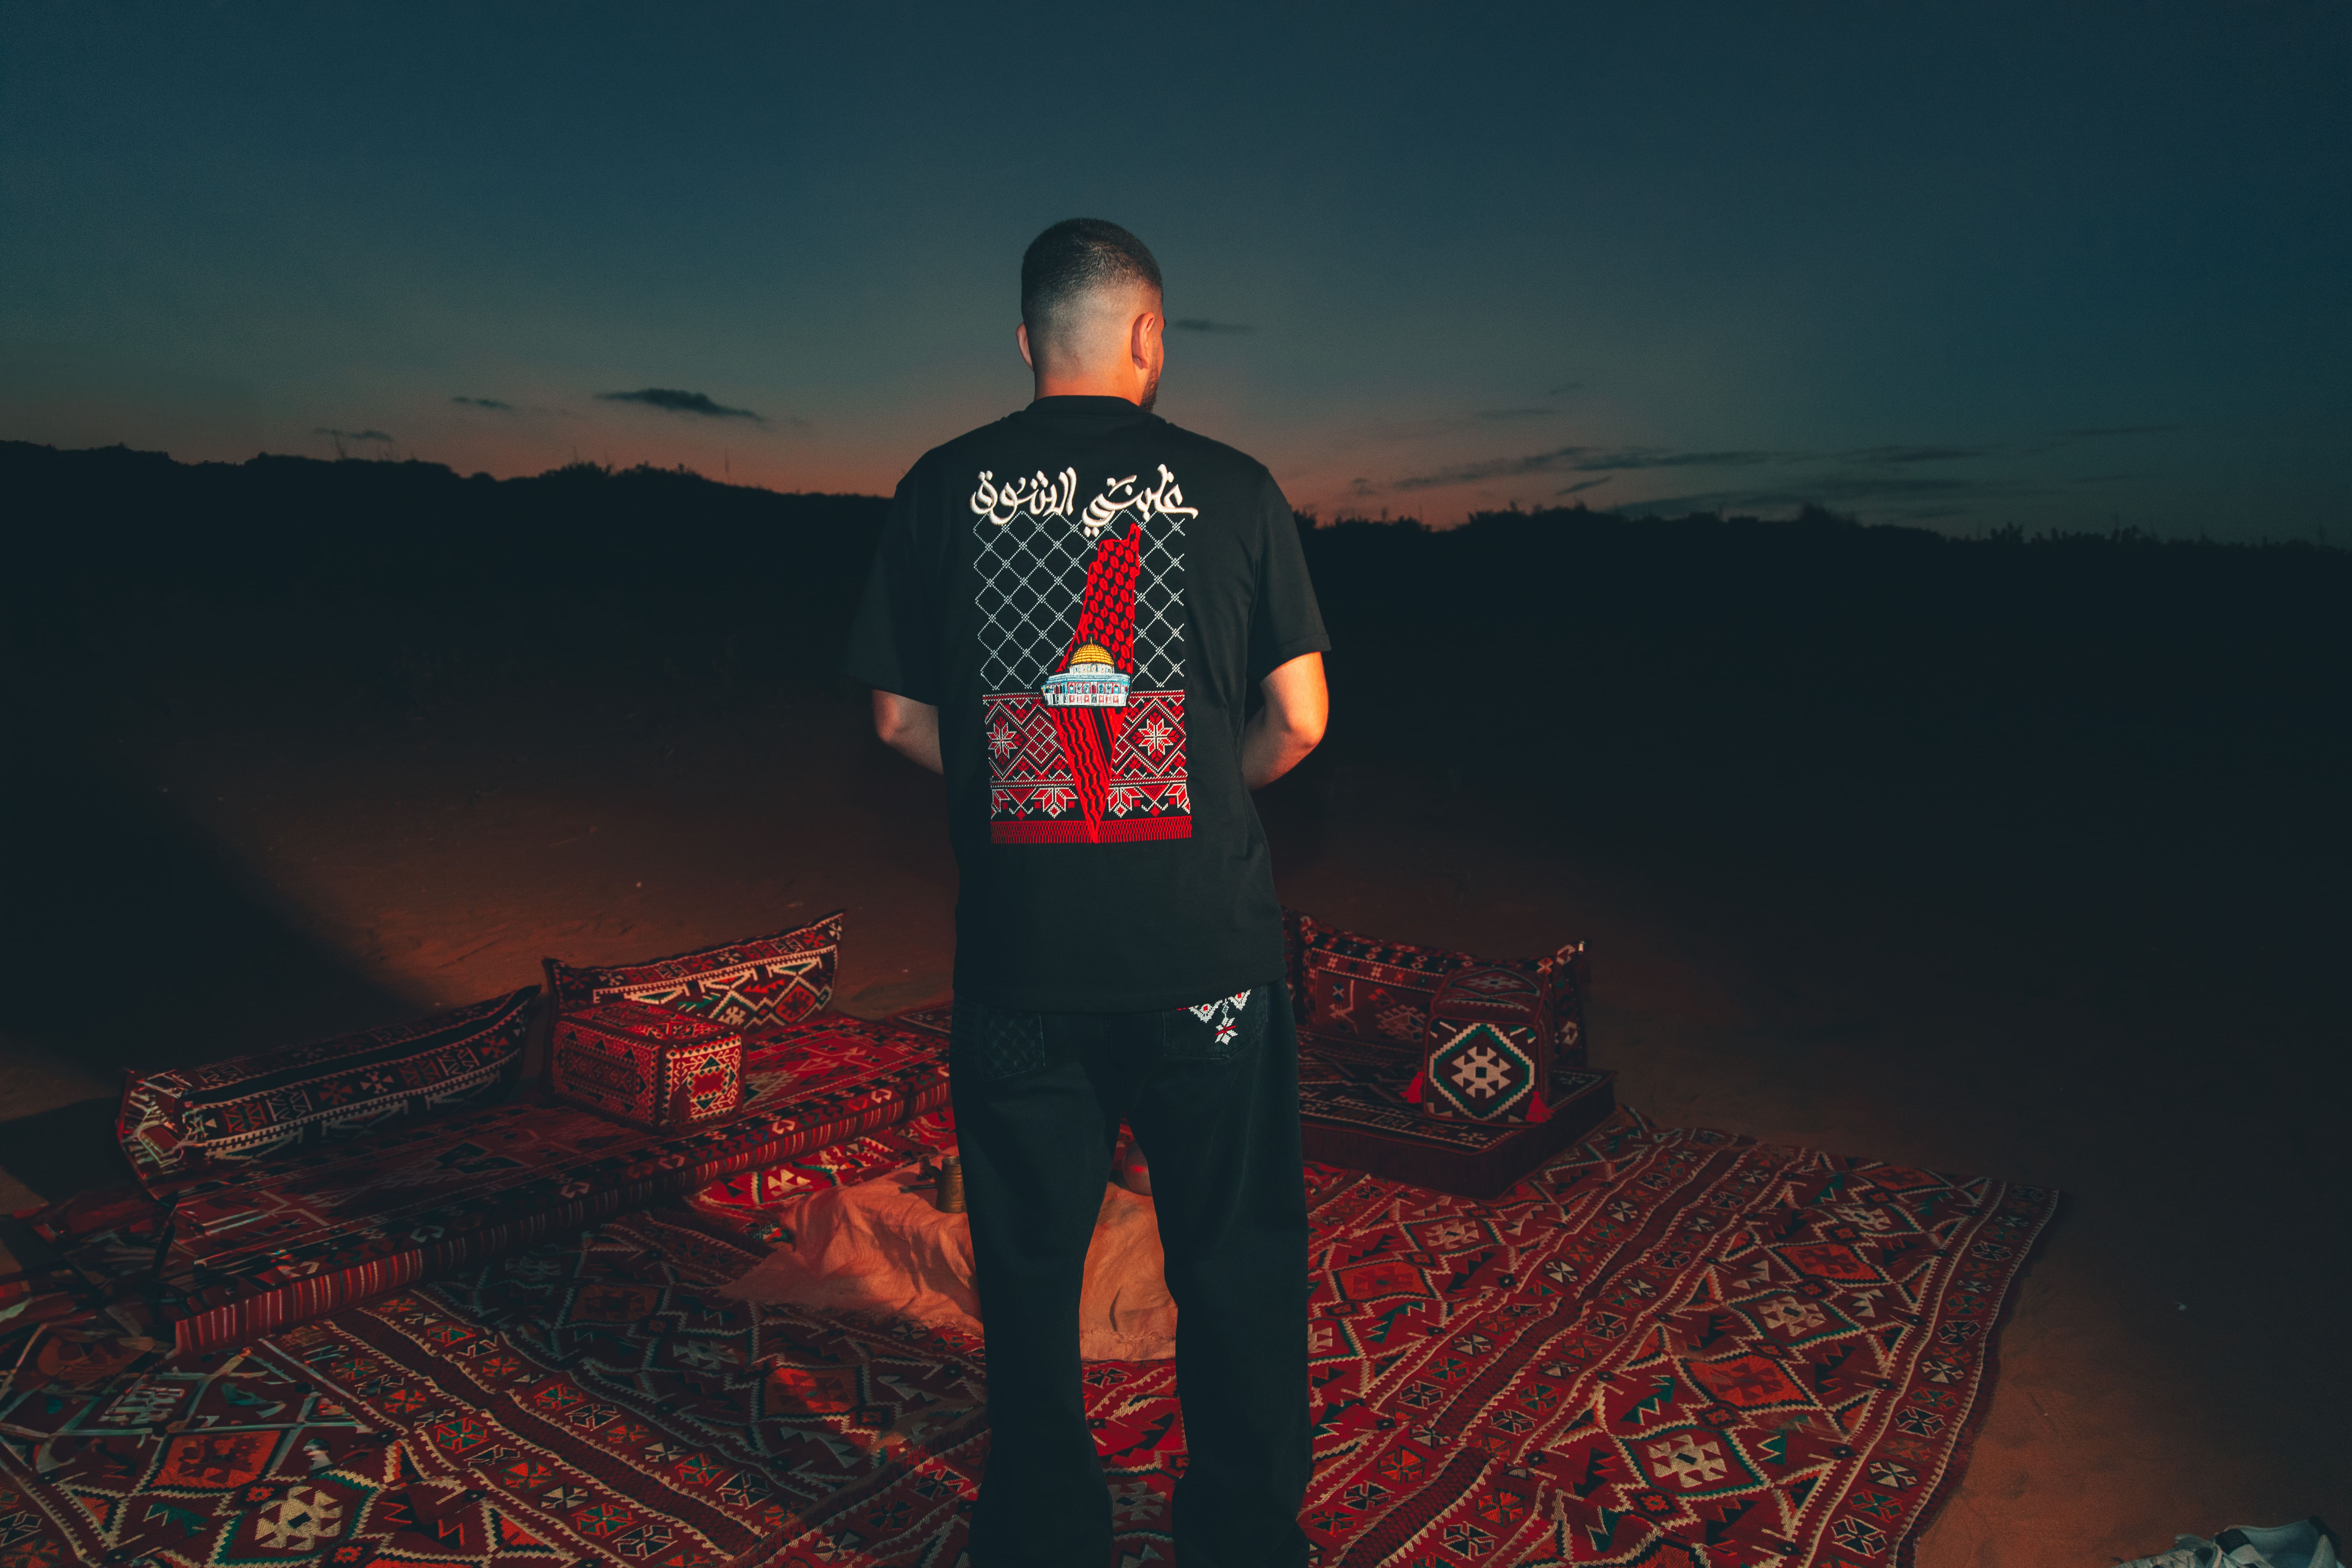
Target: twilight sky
1958,264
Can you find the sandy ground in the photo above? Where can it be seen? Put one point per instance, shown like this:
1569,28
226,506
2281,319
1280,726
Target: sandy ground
195,874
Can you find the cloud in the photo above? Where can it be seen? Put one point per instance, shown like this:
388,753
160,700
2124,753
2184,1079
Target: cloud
1516,414
353,434
679,402
1203,324
1883,478
2097,433
482,402
1914,453
1919,499
1649,457
1493,468
1587,460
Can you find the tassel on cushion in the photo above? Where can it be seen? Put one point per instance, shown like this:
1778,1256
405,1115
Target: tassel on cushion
1412,1091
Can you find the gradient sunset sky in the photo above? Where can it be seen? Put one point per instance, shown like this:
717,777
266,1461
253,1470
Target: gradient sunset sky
1954,265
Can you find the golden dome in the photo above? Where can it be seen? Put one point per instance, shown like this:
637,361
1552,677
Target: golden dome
1089,653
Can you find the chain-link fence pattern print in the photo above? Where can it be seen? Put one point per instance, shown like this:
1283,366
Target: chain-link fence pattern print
1052,576
1033,575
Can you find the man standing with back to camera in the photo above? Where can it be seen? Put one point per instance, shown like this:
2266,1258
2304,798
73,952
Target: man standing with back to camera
1101,628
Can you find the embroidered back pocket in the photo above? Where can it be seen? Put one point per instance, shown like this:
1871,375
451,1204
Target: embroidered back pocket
991,1042
1217,1031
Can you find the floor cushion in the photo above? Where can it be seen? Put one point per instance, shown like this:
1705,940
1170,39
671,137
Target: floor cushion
179,1123
281,1240
759,984
1356,1111
881,1246
649,1067
1365,1007
1489,1056
1346,984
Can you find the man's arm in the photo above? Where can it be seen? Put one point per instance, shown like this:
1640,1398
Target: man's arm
911,729
1280,735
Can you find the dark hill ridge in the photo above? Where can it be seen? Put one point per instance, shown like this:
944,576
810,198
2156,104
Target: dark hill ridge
1756,676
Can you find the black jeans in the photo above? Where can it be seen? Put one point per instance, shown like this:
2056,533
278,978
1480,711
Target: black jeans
1213,1096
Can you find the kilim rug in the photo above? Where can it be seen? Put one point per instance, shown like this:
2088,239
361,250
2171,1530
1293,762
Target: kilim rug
1668,1347
512,1417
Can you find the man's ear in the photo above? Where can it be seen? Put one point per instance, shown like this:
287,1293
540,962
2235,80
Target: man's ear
1143,339
1021,336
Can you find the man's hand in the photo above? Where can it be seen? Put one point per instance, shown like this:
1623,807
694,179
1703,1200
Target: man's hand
909,728
1281,733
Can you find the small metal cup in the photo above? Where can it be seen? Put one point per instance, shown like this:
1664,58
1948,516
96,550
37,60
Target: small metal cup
950,1189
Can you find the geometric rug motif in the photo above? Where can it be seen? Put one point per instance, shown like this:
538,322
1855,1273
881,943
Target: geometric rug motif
1360,1086
226,1460
741,1206
607,1402
1480,1071
1667,1346
274,1241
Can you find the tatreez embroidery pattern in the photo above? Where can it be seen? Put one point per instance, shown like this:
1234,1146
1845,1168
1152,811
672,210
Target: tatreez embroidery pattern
1223,1015
1082,644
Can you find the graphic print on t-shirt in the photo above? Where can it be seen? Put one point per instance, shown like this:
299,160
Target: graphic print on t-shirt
1082,645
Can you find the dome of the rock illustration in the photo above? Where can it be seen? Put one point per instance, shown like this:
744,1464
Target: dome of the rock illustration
1092,680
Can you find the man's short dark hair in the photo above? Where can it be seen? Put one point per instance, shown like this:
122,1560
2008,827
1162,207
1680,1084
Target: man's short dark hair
1073,258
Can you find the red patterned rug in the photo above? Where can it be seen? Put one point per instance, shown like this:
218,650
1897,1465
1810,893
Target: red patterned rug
1668,1347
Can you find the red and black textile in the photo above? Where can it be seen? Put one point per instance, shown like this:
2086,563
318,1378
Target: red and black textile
649,1067
1366,988
604,1396
222,1460
110,1453
1668,1341
1669,1345
761,983
742,1206
179,1123
280,1241
1488,1057
1355,1108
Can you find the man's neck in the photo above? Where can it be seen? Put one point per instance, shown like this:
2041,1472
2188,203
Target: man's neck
1089,386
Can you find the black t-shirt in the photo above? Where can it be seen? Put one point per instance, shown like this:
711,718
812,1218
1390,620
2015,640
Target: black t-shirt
1090,595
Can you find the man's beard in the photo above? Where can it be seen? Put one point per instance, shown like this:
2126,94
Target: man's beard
1150,393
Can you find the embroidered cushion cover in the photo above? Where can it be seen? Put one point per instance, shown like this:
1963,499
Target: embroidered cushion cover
759,983
1362,991
646,1066
273,1241
1487,1059
181,1121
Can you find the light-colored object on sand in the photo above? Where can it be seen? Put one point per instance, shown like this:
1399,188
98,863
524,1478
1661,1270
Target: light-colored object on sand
878,1247
2299,1546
